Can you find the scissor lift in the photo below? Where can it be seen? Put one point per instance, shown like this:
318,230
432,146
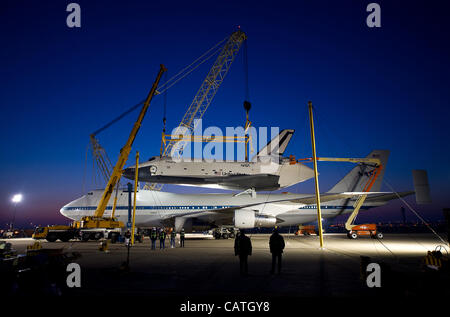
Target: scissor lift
355,231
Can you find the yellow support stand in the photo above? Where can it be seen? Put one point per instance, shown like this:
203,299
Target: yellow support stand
134,202
104,246
316,179
35,246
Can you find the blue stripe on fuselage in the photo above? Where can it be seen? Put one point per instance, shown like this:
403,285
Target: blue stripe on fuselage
200,207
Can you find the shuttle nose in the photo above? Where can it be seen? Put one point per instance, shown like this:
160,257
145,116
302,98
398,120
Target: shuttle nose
143,174
129,172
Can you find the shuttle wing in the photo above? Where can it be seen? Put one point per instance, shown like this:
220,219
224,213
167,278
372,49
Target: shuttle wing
259,181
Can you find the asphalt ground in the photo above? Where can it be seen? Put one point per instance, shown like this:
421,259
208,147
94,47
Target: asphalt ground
208,269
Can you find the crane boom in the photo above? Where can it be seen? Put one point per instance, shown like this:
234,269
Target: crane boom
123,157
365,160
209,88
204,95
101,158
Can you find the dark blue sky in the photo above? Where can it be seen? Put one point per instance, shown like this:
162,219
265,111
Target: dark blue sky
372,88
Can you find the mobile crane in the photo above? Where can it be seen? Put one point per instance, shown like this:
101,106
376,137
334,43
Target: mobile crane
227,50
97,224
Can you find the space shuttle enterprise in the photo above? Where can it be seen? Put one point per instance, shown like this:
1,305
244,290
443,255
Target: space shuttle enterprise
267,171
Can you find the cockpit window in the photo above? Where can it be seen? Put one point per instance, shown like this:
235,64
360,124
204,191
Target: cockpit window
90,193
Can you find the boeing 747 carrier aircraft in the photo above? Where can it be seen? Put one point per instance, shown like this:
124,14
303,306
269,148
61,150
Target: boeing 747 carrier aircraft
156,208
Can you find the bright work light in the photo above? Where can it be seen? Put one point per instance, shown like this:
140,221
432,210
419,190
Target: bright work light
17,198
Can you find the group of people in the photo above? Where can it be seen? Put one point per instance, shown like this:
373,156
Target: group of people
162,234
242,245
243,248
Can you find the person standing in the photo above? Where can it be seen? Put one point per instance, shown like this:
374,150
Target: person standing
173,235
162,239
127,237
276,244
182,238
153,237
243,248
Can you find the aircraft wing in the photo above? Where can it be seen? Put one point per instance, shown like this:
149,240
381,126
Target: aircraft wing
388,196
308,200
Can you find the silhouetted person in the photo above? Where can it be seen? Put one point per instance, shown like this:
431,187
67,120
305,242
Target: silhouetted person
243,248
276,244
173,235
162,239
182,238
127,237
153,237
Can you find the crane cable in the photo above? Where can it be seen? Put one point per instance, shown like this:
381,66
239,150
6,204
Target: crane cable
165,106
245,56
164,87
416,213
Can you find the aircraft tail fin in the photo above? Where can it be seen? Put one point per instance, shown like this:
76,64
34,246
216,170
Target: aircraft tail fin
421,186
278,144
357,178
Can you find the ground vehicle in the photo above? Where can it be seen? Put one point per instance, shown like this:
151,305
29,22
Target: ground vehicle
224,233
8,234
365,230
306,230
66,233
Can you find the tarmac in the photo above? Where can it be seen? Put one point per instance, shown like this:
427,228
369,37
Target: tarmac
208,267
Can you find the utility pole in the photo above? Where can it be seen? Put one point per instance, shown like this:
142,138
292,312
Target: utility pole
136,169
316,179
129,190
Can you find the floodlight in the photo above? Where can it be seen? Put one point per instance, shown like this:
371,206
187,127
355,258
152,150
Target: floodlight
17,198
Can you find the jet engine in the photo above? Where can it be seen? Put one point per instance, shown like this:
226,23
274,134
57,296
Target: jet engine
247,219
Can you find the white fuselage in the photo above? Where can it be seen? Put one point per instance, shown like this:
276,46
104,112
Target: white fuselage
154,208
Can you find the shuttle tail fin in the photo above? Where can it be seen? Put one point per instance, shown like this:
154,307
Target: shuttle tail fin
278,144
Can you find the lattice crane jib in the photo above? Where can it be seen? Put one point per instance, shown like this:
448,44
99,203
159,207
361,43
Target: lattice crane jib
104,165
204,95
208,89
